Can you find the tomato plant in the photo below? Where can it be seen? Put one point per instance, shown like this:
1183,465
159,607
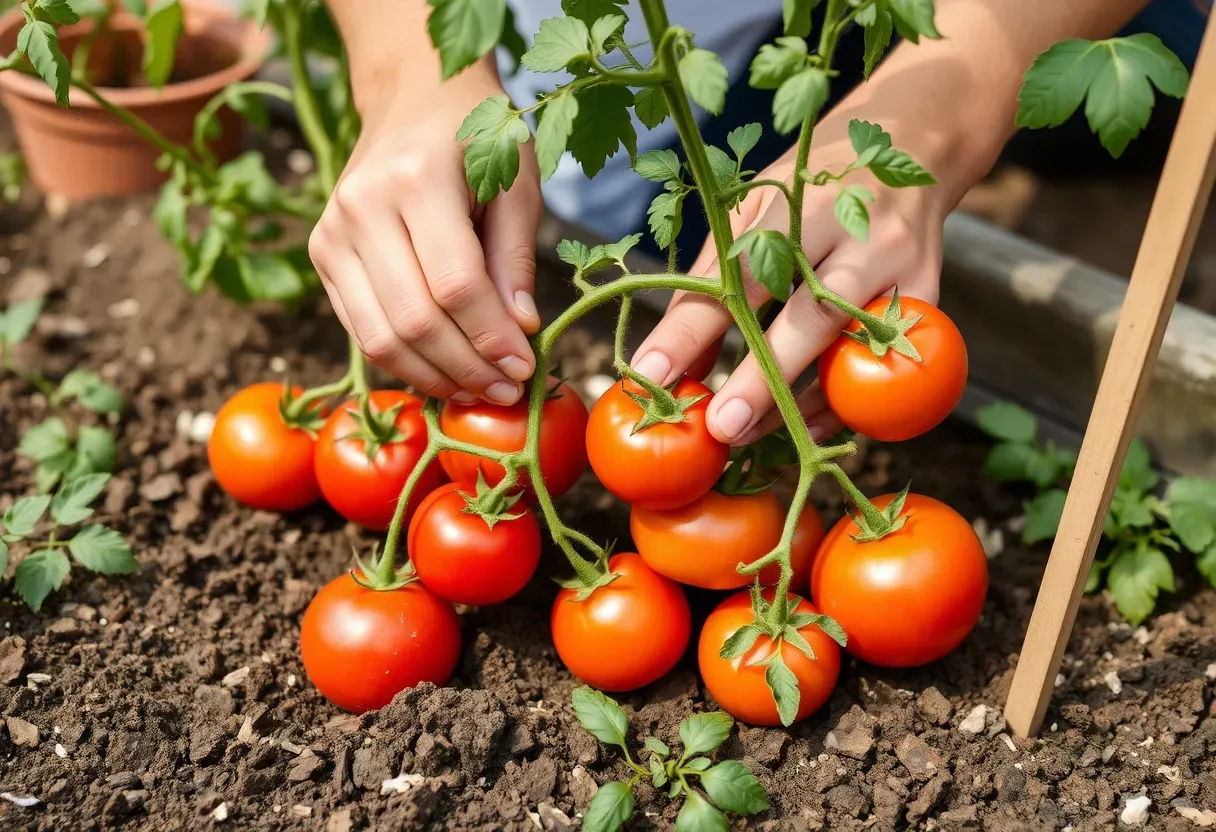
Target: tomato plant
626,633
362,646
651,458
366,451
473,549
909,597
563,420
893,392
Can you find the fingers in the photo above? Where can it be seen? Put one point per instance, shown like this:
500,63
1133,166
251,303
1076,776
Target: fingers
821,422
508,233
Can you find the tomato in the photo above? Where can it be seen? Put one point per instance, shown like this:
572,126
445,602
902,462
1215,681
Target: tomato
626,634
894,398
363,490
460,557
663,466
259,459
702,543
363,646
563,420
739,686
908,598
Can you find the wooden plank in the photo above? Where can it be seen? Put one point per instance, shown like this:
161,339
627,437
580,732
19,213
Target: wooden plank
1169,237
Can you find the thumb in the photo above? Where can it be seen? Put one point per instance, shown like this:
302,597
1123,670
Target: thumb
508,237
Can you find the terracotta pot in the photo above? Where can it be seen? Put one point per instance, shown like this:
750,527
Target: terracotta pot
82,151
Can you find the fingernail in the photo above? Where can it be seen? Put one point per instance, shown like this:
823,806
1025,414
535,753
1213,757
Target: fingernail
462,398
502,392
654,366
733,417
514,367
525,304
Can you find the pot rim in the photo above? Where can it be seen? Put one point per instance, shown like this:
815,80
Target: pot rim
253,46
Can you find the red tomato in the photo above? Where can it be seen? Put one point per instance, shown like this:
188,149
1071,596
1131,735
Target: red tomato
363,646
703,543
910,597
562,424
626,634
460,557
894,398
258,458
365,491
739,686
663,466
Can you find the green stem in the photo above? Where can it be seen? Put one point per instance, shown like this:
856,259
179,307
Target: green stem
628,77
217,101
665,402
386,570
875,518
877,327
307,109
356,369
727,195
624,47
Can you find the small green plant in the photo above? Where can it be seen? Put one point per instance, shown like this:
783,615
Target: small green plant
1142,529
728,786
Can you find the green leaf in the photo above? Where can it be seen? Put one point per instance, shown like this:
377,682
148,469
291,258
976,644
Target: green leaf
18,321
170,213
72,503
40,574
1206,564
1192,490
600,715
573,252
725,170
603,124
651,107
1193,525
45,440
589,11
491,158
1008,462
704,76
702,733
877,39
616,252
250,107
776,62
732,786
699,815
1137,473
102,550
603,30
657,746
39,41
666,217
698,764
560,42
851,211
1043,516
609,809
914,18
257,11
464,30
270,276
95,453
3,558
658,773
798,98
784,685
1135,578
229,280
553,131
1007,421
864,135
57,11
897,169
770,259
50,470
658,165
210,247
796,16
93,393
246,179
740,641
743,139
511,39
164,27
23,515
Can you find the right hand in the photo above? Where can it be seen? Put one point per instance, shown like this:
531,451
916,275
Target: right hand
434,288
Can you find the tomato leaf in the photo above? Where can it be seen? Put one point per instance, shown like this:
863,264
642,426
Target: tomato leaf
658,166
702,733
88,388
732,786
698,764
589,11
603,30
96,453
609,809
3,558
45,440
658,774
740,641
666,217
770,259
463,31
1009,462
72,503
18,321
897,169
23,515
1043,516
170,214
553,131
851,211
704,76
491,158
796,16
914,18
1193,525
600,716
270,276
776,62
102,550
39,42
744,139
163,26
1137,473
560,42
57,11
1206,564
40,574
799,97
784,685
651,107
699,815
877,39
657,746
602,126
1135,578
573,252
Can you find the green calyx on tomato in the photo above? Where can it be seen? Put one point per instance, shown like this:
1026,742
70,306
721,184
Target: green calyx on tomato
301,410
661,406
375,428
490,504
757,467
874,523
370,575
589,576
892,335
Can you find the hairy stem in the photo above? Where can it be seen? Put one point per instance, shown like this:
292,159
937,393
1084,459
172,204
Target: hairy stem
307,109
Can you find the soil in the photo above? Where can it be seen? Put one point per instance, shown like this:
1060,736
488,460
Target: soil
175,698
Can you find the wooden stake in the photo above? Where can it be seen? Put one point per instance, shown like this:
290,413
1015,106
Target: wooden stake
1173,224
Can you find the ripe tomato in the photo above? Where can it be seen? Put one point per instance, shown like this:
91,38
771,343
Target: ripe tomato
258,458
562,424
703,543
363,490
362,646
663,466
626,634
739,686
908,598
894,398
460,557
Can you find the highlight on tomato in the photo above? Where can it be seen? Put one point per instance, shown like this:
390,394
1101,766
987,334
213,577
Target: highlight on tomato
910,596
563,422
365,452
261,448
651,451
896,389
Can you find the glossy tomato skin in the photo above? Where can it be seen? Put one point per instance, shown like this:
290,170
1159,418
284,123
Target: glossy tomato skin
563,421
626,634
663,466
910,597
361,647
460,558
365,491
740,688
703,543
894,398
259,459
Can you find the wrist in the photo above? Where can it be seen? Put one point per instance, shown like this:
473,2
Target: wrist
418,87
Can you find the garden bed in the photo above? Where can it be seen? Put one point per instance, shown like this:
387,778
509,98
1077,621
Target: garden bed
175,697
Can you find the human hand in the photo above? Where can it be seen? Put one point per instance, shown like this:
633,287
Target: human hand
433,287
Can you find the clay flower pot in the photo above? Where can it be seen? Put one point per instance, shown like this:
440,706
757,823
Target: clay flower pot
83,152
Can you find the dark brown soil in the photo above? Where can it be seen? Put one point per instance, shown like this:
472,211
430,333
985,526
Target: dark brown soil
175,697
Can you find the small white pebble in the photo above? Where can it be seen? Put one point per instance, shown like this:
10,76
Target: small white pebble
291,680
1141,635
1210,671
96,255
182,425
401,783
1135,811
24,802
146,357
55,730
128,308
201,426
103,621
1170,773
278,807
301,811
992,539
1113,682
220,812
278,364
236,677
1009,742
1060,679
300,161
973,723
60,751
1147,742
1055,726
1018,766
172,630
266,658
